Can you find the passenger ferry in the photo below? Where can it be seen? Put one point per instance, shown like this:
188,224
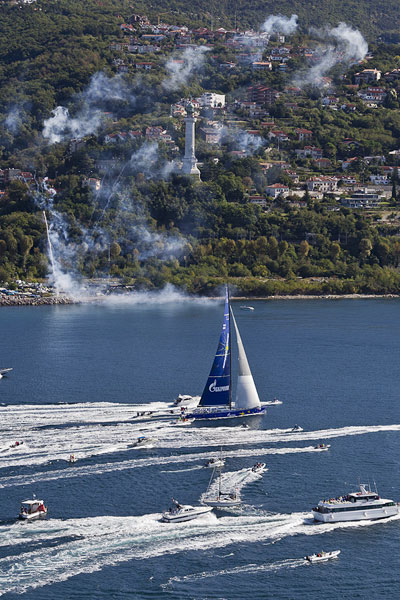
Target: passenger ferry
356,506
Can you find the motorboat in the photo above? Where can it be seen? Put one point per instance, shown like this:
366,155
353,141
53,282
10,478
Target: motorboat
216,399
322,447
186,399
215,463
296,429
275,401
356,506
259,467
3,372
322,556
183,512
247,308
144,442
32,509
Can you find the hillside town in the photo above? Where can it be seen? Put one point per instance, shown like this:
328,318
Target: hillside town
271,121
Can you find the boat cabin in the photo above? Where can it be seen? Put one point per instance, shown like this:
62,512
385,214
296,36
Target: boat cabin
28,507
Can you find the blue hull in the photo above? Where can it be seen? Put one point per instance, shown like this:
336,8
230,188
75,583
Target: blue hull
224,413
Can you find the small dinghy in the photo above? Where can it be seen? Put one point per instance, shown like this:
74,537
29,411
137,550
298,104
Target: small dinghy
322,447
322,556
32,509
247,308
183,512
16,444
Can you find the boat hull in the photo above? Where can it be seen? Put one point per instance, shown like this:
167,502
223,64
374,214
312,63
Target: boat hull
171,518
314,558
364,514
226,413
32,517
222,504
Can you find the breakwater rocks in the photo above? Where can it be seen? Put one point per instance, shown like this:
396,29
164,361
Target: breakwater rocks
29,301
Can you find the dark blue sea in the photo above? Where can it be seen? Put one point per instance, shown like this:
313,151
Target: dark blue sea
80,375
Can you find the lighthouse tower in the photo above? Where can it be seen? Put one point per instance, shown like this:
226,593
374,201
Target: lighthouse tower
189,162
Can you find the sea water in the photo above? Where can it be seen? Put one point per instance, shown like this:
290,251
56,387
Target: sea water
82,372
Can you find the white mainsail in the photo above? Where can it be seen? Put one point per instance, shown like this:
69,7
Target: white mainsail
246,392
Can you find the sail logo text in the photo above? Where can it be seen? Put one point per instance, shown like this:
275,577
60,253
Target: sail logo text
213,387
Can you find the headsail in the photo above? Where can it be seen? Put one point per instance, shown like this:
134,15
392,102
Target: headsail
217,391
246,392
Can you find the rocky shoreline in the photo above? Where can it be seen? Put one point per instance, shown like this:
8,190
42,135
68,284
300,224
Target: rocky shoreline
64,300
44,301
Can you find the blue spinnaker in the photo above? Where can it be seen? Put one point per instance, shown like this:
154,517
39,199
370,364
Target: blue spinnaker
217,391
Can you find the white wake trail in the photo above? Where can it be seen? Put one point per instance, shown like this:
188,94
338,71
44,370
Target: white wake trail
107,541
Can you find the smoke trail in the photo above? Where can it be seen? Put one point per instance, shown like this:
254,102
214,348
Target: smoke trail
102,94
181,67
280,24
344,46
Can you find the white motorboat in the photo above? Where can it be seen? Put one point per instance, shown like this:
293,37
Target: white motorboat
322,447
356,506
247,308
322,556
184,512
186,400
144,442
32,509
296,429
259,467
5,371
275,401
215,463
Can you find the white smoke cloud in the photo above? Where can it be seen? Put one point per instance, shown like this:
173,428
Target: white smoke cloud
92,102
61,126
344,45
13,120
280,24
181,67
242,140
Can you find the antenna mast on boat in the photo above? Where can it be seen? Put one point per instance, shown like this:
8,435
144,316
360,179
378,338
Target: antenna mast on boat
229,347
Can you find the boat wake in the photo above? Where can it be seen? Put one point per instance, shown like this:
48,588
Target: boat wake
290,563
106,541
99,469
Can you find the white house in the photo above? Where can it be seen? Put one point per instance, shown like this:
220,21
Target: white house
212,100
276,189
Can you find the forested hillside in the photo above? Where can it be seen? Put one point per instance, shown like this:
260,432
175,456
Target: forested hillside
93,97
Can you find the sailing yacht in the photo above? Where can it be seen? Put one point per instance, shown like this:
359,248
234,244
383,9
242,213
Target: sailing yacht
216,400
222,499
